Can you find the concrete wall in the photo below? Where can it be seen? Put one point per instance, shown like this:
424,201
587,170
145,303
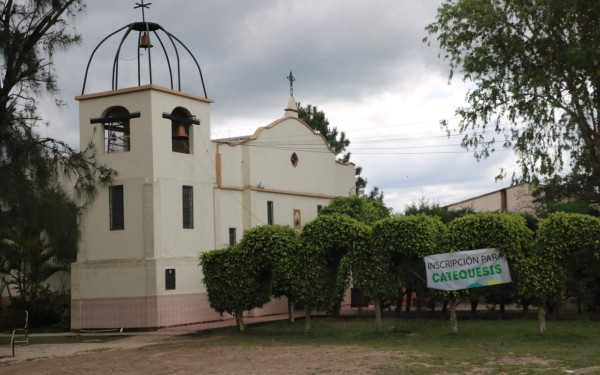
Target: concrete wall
516,198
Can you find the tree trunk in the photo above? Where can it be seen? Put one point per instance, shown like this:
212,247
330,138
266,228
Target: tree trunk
556,311
420,302
408,295
453,318
502,309
308,311
291,306
474,304
398,310
542,320
525,309
239,320
378,315
432,302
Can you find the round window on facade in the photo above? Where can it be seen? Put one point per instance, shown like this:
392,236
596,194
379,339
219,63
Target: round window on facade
294,160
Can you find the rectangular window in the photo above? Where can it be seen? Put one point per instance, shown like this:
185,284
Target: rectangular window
270,212
170,279
232,236
188,207
116,207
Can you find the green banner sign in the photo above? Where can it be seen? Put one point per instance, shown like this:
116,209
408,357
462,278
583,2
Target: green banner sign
466,269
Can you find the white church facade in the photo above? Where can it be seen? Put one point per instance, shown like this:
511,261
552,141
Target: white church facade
177,194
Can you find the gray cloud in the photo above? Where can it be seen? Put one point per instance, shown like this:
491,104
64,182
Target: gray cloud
347,56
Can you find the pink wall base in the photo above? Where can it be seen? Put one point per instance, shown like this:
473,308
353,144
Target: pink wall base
141,312
154,311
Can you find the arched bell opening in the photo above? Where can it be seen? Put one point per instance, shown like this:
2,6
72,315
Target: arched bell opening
181,130
116,129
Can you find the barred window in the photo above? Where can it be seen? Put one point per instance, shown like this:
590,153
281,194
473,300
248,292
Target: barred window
188,207
270,212
116,207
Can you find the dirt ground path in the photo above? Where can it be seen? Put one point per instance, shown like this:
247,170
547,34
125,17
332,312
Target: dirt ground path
149,354
134,355
86,345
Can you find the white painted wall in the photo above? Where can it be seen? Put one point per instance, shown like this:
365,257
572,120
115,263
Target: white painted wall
127,267
131,262
260,169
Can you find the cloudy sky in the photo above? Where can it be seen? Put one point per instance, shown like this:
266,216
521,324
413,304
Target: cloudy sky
360,61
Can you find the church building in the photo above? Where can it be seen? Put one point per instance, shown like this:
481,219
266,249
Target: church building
178,193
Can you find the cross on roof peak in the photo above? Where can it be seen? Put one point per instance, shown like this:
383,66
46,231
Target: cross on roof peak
291,79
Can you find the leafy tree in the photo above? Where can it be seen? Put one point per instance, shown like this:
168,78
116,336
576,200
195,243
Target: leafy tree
34,168
29,246
367,210
338,142
375,193
535,67
571,206
427,207
234,281
506,232
395,257
542,282
364,209
361,182
275,247
31,32
324,243
573,242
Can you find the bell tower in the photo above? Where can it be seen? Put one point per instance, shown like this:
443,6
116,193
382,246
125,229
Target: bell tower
137,265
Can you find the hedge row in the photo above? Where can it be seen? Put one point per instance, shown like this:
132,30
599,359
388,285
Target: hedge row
314,266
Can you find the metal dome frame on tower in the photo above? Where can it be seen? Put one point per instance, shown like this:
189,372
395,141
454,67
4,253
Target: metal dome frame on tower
144,29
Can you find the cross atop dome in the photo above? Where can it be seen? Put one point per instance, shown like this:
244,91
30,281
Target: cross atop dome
142,6
143,32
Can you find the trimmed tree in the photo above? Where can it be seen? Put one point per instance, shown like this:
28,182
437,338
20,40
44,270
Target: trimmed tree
572,242
399,244
324,242
234,280
367,210
275,248
364,209
542,281
503,231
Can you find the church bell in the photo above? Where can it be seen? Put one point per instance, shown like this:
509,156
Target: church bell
145,40
180,133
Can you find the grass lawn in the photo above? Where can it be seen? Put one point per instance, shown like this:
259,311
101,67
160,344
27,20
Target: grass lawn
499,346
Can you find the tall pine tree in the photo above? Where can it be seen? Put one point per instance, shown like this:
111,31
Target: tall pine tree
337,140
